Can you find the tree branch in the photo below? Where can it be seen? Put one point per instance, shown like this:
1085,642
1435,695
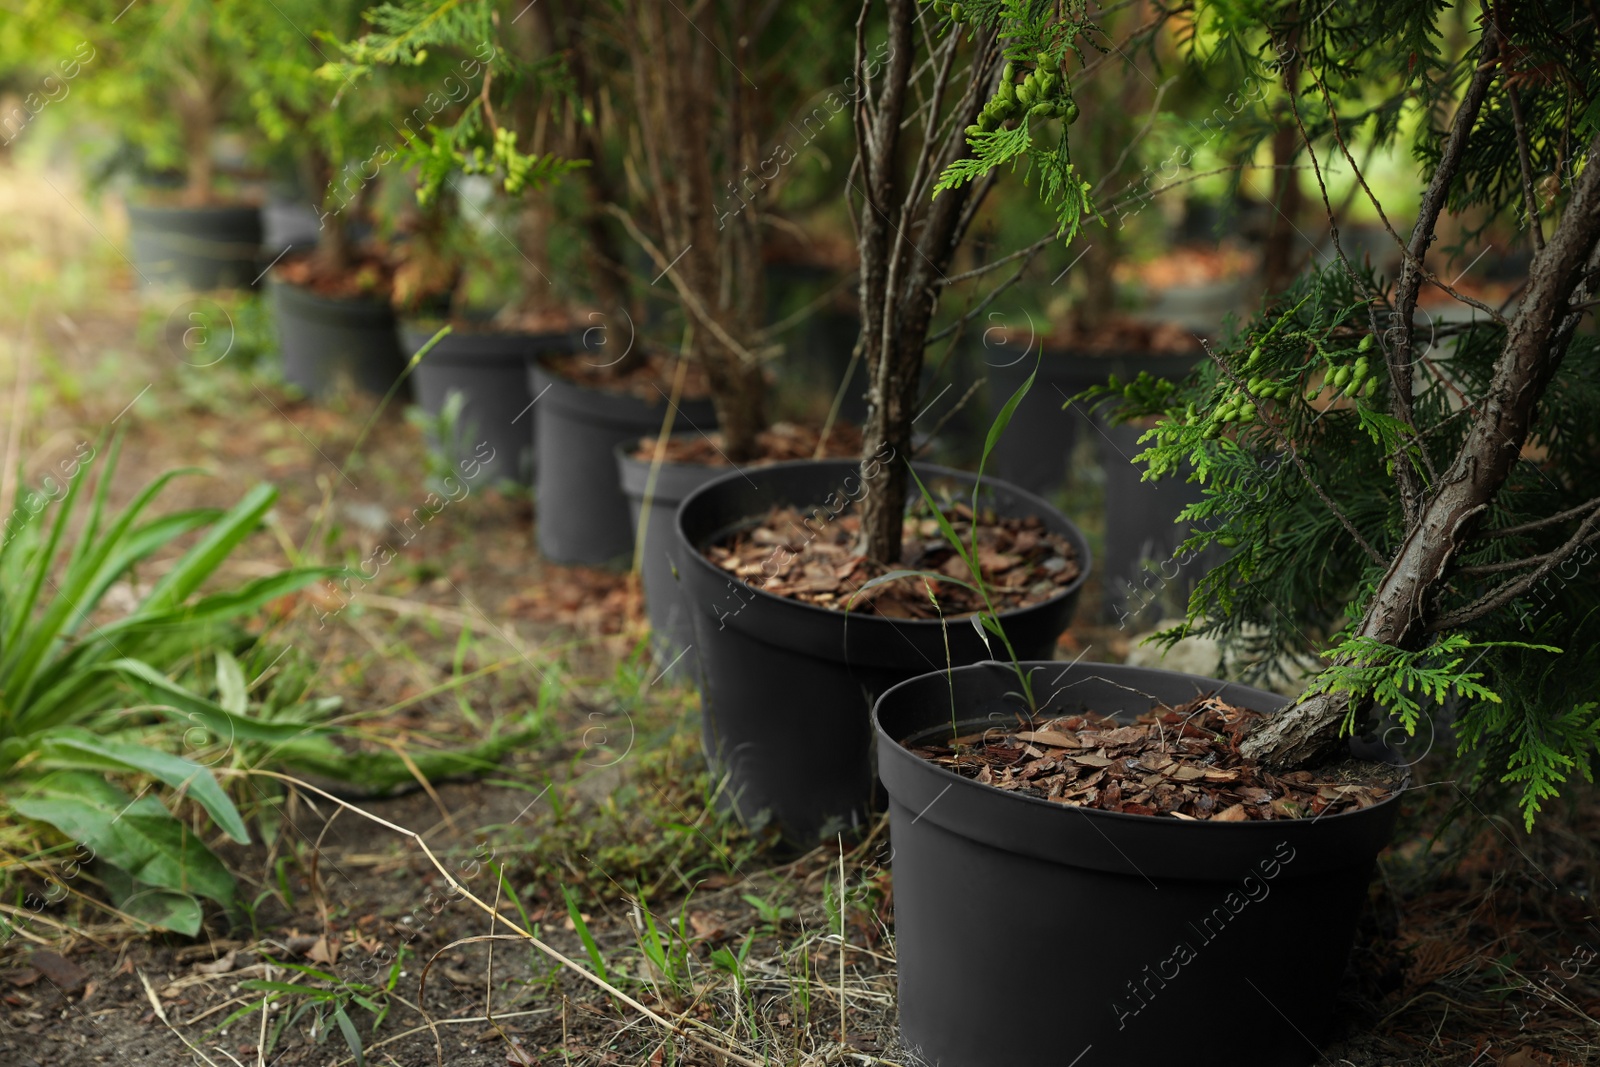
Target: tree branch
1508,592
1539,524
1398,355
1525,162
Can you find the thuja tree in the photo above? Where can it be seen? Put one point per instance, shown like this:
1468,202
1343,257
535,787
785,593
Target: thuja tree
1417,502
716,95
530,111
343,145
160,79
949,94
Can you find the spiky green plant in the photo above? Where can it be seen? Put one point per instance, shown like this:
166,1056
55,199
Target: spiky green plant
65,725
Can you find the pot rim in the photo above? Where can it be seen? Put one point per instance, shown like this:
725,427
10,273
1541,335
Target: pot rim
888,743
698,558
310,295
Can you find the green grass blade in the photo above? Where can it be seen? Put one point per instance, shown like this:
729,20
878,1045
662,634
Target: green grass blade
589,946
38,569
945,528
200,561
160,690
351,1037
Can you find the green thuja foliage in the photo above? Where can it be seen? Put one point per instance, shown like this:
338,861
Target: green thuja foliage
1295,429
461,42
1027,118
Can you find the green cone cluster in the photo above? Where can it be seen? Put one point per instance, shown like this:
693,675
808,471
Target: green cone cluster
1042,94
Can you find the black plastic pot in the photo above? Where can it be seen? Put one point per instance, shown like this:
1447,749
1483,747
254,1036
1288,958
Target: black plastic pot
196,247
1029,932
582,513
671,629
1035,448
288,225
1143,579
325,341
490,369
786,687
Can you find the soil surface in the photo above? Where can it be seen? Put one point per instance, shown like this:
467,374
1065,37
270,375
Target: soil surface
370,276
791,554
649,378
1181,761
778,443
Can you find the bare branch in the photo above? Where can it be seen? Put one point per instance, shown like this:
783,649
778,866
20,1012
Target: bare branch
1539,524
691,299
1525,161
952,413
982,305
978,272
1399,354
1508,592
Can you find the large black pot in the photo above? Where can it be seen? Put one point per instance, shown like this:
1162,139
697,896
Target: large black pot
1029,932
786,687
1143,577
288,225
1036,446
196,247
671,629
324,340
489,368
582,514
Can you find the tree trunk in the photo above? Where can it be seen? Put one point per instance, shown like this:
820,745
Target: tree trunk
907,240
199,124
1405,603
563,29
333,240
1279,259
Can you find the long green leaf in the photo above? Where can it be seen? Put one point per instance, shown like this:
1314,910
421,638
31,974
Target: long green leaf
1003,419
200,561
35,574
582,927
78,593
139,543
160,690
70,747
945,528
351,1038
137,835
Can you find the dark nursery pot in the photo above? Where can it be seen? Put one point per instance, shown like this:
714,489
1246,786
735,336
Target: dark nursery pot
1123,937
671,629
324,340
582,513
288,225
1035,449
490,369
196,247
1142,578
786,687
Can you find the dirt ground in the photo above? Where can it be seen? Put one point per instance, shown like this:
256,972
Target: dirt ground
599,835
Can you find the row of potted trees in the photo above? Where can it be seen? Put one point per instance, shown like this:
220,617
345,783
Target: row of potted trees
1165,904
864,618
